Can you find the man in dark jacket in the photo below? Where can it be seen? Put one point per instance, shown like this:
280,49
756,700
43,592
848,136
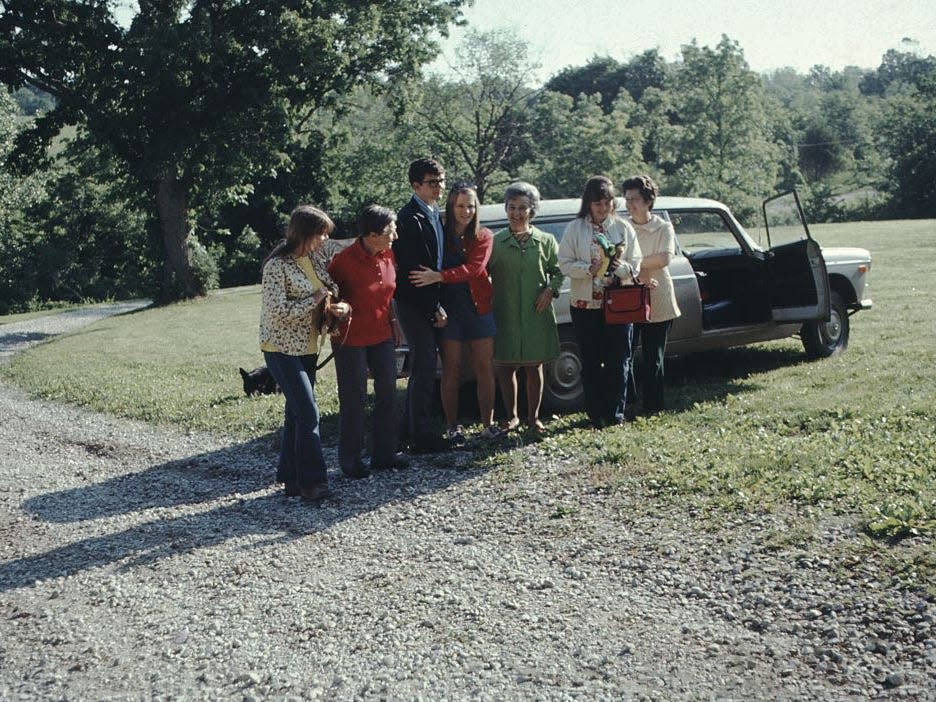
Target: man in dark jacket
419,243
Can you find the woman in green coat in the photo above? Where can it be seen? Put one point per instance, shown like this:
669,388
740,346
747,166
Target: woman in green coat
524,268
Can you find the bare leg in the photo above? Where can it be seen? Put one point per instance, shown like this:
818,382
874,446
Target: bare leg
482,354
451,375
534,390
507,377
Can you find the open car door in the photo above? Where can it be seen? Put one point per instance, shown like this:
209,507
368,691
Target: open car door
799,282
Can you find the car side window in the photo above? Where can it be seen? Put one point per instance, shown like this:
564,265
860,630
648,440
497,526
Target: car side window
554,228
697,232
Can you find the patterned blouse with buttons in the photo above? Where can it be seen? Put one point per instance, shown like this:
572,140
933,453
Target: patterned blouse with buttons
291,306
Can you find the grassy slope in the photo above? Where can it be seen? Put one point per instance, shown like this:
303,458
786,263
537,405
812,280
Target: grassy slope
752,428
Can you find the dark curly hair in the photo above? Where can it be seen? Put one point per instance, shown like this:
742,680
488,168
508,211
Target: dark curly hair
419,168
373,219
644,183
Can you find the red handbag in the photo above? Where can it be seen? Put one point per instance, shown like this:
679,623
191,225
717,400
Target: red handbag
627,304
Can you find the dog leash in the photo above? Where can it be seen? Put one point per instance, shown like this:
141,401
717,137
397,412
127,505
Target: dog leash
331,354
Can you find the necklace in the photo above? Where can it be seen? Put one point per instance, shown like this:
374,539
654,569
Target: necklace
522,237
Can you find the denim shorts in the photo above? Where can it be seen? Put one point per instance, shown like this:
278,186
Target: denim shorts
467,325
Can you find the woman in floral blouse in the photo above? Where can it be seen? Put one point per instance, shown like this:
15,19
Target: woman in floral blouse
294,300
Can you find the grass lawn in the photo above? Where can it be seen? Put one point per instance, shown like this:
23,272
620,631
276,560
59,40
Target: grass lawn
755,428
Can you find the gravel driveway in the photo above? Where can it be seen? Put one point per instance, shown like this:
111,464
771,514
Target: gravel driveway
139,562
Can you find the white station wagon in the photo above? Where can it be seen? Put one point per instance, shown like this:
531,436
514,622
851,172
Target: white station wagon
731,289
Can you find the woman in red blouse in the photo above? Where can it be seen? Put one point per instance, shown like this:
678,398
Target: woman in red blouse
366,276
466,297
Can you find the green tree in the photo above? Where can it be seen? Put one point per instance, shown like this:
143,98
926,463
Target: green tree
575,139
605,76
477,121
17,194
204,96
908,132
899,71
654,117
725,147
827,125
599,76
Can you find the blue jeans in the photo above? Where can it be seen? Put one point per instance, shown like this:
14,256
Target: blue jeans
301,461
605,350
351,366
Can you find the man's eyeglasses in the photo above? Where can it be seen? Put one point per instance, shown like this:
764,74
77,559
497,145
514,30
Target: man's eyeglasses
434,182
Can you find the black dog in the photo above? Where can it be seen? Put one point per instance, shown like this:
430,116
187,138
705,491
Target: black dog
259,381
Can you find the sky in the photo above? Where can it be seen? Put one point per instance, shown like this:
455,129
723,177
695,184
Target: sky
772,33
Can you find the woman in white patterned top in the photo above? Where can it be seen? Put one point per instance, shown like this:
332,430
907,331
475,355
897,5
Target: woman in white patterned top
294,300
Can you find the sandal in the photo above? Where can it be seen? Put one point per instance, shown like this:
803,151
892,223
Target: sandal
509,425
536,426
491,432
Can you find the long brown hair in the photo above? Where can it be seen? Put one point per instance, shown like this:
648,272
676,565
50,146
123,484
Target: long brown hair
471,230
305,222
597,188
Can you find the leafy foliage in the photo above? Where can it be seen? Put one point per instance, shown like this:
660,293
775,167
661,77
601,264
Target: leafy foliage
203,97
725,147
605,76
197,131
478,120
909,130
574,140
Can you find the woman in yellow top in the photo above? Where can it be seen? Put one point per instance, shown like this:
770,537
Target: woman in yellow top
294,300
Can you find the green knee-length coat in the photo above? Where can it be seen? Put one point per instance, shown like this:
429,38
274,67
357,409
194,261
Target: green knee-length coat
519,274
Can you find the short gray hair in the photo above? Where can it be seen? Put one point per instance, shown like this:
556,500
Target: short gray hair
523,189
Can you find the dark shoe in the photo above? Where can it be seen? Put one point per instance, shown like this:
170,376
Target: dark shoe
359,472
290,489
492,433
598,423
455,436
397,462
316,493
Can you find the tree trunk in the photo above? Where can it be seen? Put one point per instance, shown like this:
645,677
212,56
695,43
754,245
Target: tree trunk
179,281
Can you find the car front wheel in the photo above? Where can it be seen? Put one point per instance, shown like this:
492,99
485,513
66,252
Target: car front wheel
562,377
824,339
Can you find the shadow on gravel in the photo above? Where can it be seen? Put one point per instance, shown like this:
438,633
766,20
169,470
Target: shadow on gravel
202,478
15,340
229,476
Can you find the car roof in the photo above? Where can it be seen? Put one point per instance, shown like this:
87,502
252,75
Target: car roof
569,207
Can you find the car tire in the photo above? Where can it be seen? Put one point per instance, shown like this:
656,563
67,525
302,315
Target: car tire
824,339
562,377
